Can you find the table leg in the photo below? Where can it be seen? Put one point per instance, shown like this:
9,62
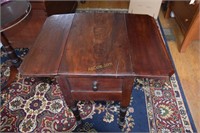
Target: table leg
11,78
76,113
122,115
16,61
47,80
125,101
66,90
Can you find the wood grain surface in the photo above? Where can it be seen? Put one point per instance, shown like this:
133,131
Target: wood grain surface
148,53
98,44
44,57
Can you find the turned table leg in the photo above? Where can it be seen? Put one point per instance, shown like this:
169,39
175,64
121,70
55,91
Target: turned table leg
16,61
76,113
66,90
125,101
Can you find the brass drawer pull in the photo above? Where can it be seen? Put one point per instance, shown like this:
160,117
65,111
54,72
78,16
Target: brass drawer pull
95,85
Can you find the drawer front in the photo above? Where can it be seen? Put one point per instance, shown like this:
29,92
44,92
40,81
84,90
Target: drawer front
95,84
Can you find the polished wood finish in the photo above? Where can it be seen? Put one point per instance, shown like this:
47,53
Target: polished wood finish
96,55
148,55
48,47
97,47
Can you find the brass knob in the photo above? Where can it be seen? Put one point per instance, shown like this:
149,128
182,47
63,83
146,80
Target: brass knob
95,86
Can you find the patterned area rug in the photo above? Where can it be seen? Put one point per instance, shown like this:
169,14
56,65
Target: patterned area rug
30,105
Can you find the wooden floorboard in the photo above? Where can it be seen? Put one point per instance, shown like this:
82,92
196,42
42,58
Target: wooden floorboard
187,66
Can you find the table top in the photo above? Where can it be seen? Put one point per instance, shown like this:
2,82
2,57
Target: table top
98,44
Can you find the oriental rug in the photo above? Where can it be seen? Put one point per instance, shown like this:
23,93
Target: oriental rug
30,105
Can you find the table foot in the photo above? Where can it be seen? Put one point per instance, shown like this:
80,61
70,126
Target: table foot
47,80
122,115
77,115
79,123
17,62
13,73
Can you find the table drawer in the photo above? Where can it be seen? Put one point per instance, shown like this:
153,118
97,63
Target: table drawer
96,88
95,84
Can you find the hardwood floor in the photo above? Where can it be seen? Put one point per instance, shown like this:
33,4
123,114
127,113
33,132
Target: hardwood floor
187,66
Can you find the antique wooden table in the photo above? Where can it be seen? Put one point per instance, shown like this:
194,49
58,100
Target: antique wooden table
95,56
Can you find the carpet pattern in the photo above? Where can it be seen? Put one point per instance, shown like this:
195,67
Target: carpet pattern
31,105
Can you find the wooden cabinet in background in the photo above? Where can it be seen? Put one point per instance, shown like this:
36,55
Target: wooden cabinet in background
187,17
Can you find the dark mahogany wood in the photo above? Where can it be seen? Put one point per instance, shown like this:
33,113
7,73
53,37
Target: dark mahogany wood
97,45
95,56
147,51
48,47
